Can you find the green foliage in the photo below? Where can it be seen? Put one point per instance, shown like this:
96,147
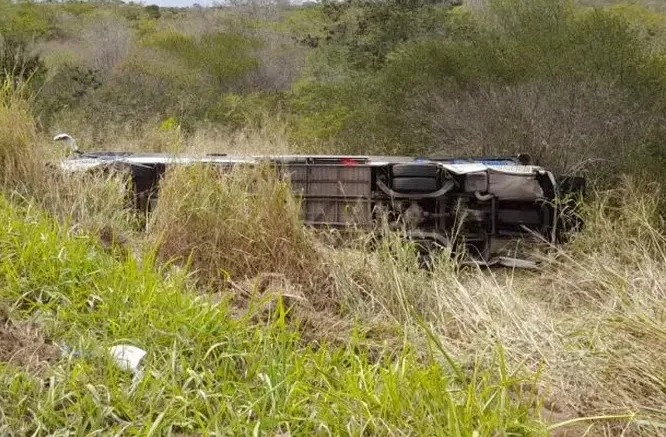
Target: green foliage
168,74
16,61
206,370
153,11
322,109
145,27
369,30
169,124
408,77
651,24
19,26
22,20
413,103
67,87
79,9
523,41
309,20
226,57
237,110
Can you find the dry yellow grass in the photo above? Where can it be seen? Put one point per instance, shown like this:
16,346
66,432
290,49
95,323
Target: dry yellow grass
96,203
18,136
166,136
269,140
591,323
232,224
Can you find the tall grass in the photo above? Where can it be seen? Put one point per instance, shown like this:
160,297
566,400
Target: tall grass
235,223
208,372
96,203
18,134
614,275
593,310
29,171
593,314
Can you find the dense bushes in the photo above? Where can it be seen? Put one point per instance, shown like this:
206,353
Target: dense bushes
571,85
19,25
566,84
225,58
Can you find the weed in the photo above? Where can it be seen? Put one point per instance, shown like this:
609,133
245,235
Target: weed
207,372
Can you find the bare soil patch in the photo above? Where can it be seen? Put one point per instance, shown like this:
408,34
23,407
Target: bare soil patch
23,344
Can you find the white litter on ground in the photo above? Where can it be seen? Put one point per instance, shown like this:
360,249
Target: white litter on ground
128,357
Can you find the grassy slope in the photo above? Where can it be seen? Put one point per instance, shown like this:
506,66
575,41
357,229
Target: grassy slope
591,323
594,315
207,371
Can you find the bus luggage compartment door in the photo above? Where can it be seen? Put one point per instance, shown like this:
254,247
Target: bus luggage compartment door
333,194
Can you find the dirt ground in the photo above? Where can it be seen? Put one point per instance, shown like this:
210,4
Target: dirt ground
22,344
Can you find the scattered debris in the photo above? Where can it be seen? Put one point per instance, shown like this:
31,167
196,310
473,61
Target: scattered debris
128,357
517,263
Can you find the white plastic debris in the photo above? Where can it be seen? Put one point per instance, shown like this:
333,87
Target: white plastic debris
517,263
128,357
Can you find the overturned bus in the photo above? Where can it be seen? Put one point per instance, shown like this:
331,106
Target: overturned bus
489,203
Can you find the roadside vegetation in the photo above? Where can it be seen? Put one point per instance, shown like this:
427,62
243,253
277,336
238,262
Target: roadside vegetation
578,85
255,325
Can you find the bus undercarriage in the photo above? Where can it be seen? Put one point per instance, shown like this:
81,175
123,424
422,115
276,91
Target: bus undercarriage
490,204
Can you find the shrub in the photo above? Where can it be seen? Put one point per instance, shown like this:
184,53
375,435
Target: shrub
587,127
368,31
234,224
67,86
108,41
20,26
565,84
19,159
225,57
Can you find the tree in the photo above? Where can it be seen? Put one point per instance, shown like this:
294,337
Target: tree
20,25
370,29
153,11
